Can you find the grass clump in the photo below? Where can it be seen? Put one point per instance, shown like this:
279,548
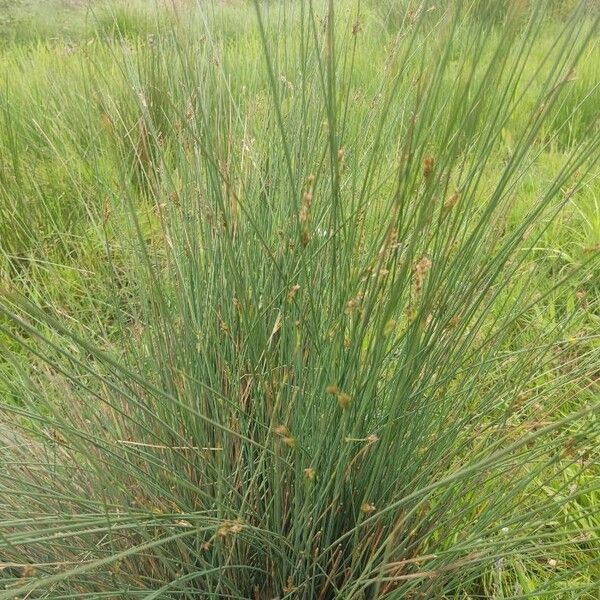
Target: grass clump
287,312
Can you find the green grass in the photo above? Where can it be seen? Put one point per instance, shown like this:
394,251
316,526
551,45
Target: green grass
300,300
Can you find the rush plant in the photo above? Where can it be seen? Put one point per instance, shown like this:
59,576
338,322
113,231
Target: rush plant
279,315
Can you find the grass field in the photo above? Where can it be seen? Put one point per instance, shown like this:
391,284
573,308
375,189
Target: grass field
300,300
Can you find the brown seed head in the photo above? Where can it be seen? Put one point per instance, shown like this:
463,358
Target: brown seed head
236,527
428,163
105,213
420,270
183,523
353,304
230,528
451,202
281,430
293,291
28,571
343,400
303,213
290,441
289,587
310,473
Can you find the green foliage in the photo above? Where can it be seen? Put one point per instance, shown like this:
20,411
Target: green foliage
293,305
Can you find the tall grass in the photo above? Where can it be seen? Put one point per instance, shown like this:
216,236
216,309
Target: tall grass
279,321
